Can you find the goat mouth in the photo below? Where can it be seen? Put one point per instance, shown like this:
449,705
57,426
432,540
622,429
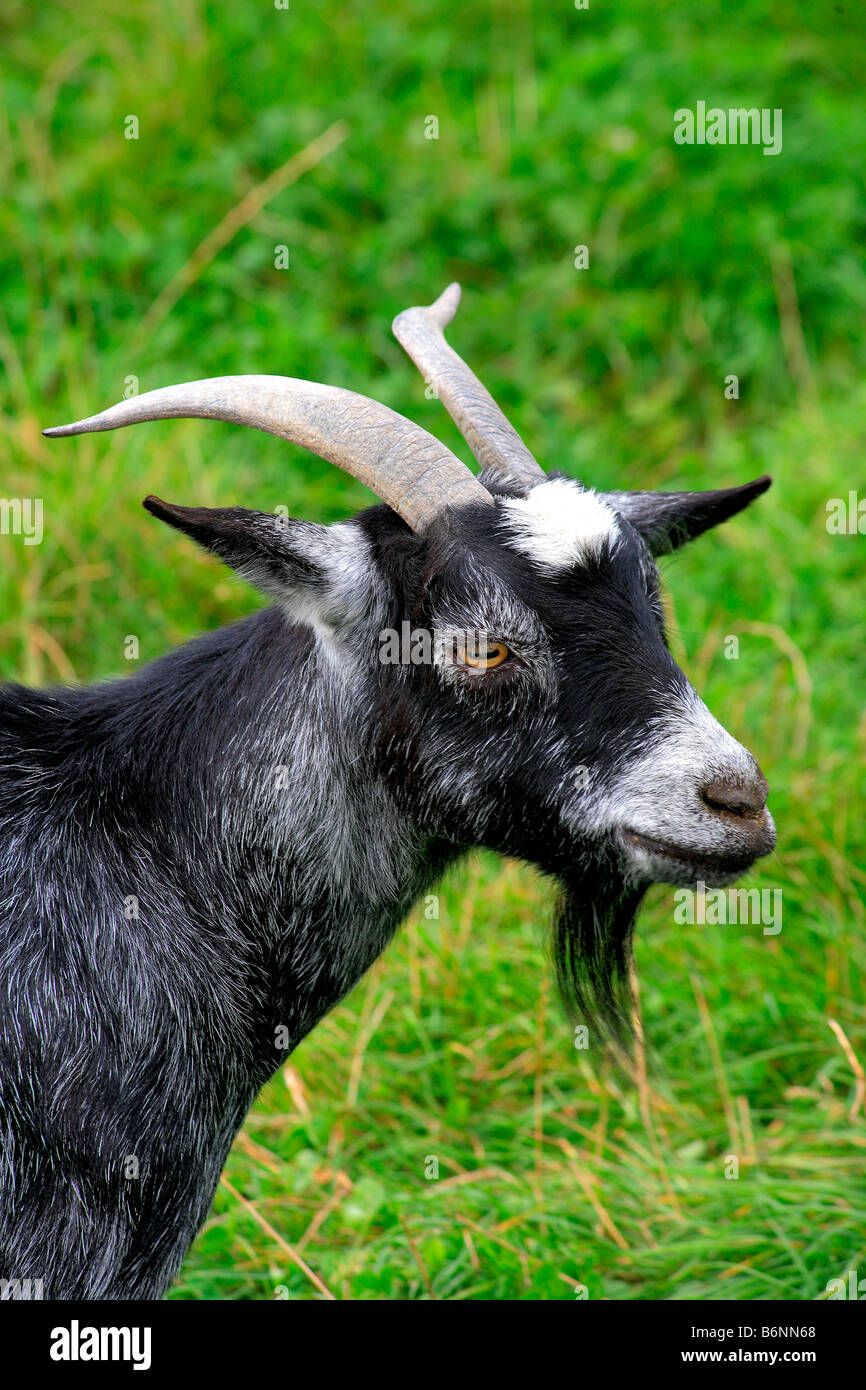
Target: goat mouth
694,861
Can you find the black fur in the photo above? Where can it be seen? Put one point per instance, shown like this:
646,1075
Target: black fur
198,862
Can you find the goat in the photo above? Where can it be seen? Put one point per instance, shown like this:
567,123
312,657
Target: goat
200,861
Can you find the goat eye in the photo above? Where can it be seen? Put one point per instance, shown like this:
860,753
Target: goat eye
486,657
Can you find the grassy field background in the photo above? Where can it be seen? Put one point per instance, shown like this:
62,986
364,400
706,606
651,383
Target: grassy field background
154,258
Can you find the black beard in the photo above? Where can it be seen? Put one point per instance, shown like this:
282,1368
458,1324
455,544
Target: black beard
592,948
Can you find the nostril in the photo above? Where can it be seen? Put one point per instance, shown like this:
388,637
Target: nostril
746,799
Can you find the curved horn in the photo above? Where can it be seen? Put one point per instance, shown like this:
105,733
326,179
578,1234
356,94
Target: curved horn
403,464
494,442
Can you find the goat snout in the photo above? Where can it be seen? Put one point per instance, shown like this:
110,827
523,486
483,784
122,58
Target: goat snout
736,797
738,803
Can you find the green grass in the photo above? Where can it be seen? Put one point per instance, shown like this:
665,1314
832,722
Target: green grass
555,1169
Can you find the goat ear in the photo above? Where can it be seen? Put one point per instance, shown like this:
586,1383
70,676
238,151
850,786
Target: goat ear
666,520
294,561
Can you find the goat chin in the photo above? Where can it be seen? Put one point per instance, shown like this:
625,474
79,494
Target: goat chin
663,861
595,914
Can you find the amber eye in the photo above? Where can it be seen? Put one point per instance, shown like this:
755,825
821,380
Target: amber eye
491,654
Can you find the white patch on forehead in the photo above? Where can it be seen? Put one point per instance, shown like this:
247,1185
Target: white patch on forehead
560,524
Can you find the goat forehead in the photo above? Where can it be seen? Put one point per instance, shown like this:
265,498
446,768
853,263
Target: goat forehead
478,595
559,524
